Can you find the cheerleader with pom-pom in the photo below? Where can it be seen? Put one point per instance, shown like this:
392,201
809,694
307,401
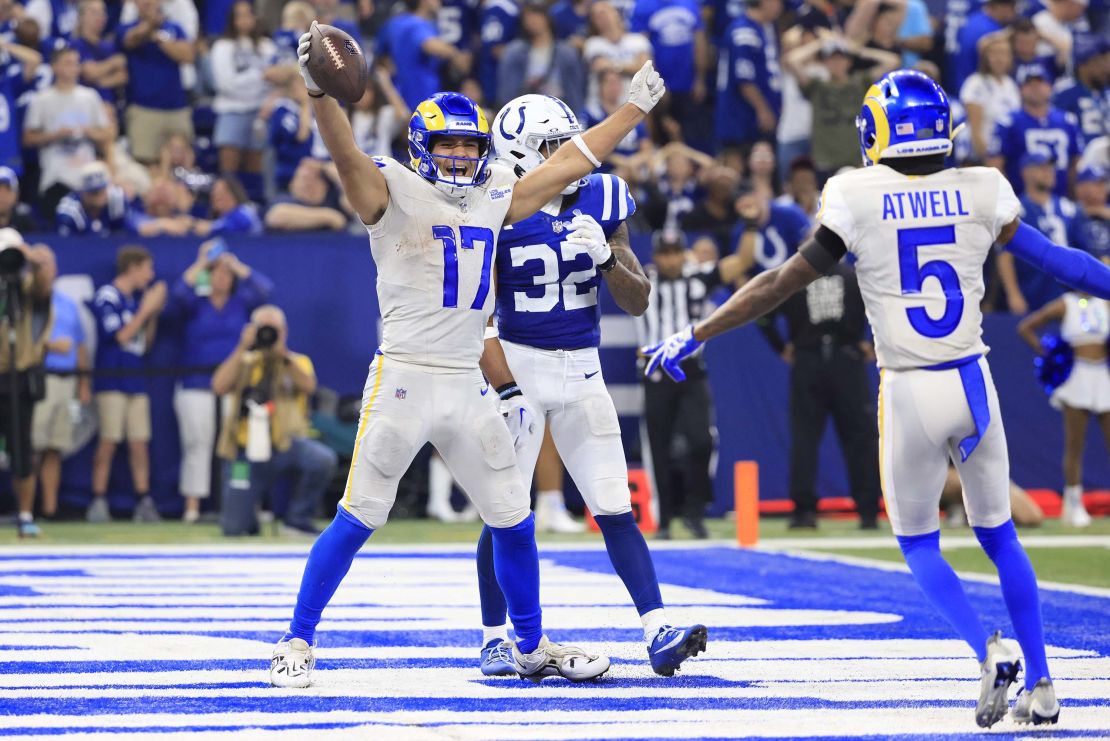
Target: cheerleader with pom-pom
1073,367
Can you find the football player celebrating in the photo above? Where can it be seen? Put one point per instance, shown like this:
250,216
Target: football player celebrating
433,236
920,234
549,270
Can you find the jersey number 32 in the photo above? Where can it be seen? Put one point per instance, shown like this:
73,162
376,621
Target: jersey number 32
568,287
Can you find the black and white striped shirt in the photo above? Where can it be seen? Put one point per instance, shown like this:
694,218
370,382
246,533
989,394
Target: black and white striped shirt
676,302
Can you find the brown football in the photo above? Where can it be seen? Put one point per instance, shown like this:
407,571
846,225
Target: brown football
336,63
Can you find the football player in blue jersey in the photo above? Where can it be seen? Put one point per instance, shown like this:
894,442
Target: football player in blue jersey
549,269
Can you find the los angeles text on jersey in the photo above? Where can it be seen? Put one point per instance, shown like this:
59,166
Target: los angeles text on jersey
924,204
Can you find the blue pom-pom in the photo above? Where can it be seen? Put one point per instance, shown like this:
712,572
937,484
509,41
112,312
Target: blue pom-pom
1054,364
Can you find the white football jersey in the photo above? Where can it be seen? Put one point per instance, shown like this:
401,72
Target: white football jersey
435,257
920,243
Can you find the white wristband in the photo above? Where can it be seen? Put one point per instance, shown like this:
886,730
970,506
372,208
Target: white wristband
581,144
491,333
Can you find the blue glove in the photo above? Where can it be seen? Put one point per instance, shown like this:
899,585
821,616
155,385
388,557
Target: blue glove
671,352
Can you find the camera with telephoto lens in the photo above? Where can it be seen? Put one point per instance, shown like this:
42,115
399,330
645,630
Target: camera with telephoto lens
12,261
265,337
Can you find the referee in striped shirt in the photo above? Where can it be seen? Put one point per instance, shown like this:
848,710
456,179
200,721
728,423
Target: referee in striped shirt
673,410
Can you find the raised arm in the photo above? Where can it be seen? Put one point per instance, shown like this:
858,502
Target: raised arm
364,185
1070,266
571,163
759,296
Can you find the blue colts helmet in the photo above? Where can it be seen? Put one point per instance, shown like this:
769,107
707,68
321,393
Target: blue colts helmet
448,114
905,114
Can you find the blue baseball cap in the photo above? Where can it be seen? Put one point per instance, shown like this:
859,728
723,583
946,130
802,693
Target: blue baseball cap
9,178
1093,173
1035,159
1031,70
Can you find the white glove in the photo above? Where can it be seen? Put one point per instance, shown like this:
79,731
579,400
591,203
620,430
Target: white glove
589,235
302,61
520,419
647,88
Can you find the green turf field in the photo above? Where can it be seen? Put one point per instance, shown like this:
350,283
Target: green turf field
1085,563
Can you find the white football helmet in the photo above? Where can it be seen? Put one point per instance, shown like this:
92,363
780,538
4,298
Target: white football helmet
527,127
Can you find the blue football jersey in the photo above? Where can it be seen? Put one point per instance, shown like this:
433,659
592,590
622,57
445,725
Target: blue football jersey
546,287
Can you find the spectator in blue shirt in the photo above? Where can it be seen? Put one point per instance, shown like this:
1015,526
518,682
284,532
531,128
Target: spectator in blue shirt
1028,49
213,299
749,85
1028,289
498,24
411,40
313,202
956,13
768,233
164,210
681,52
724,13
18,68
229,211
97,209
994,16
1037,128
572,23
296,18
126,312
1085,95
291,127
158,106
103,65
52,421
1092,186
457,21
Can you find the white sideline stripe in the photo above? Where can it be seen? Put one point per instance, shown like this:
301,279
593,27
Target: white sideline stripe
965,575
947,542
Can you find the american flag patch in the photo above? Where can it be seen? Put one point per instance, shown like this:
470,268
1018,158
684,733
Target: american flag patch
903,129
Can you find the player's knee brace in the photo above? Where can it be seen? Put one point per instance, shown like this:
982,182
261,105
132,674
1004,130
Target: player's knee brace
611,497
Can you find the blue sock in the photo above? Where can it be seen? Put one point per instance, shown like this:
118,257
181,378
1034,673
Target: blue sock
942,588
1019,589
328,562
517,565
489,591
628,551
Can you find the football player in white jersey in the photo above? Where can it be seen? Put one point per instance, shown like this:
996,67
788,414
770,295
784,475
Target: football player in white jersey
549,270
433,236
920,234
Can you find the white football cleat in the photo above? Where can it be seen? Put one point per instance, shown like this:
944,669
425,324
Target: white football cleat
999,670
556,660
1038,705
1074,514
291,665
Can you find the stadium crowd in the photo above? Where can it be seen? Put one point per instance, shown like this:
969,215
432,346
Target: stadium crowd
169,118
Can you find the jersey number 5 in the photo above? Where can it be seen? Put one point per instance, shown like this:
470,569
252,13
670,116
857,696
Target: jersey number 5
468,235
914,274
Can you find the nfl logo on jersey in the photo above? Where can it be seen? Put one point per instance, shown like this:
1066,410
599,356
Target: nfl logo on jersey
400,393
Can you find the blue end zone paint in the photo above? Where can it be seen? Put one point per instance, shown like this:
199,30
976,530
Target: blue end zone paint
1072,620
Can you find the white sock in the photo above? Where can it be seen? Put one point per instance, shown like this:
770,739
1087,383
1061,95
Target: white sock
653,620
439,484
26,517
552,498
1073,494
499,632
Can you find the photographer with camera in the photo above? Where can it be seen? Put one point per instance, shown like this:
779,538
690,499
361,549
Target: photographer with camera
265,433
26,280
126,313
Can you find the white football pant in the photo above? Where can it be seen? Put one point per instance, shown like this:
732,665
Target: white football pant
405,406
567,390
923,416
